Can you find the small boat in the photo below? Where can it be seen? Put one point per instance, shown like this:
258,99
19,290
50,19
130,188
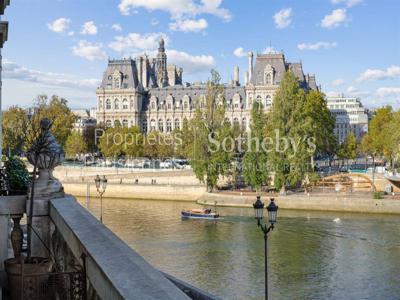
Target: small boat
199,214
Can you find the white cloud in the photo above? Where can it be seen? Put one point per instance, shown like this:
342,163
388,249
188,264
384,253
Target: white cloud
353,91
188,25
154,22
117,27
135,42
177,8
89,51
378,74
348,3
316,46
283,18
337,82
191,63
335,19
89,28
60,25
239,52
388,91
12,70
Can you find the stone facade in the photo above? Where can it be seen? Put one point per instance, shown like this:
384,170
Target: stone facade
150,94
351,116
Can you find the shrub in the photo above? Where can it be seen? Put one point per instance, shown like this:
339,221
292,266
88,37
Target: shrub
377,195
17,175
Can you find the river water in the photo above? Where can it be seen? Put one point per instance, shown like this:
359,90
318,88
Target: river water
312,255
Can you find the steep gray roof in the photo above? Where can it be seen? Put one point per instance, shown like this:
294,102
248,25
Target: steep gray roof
275,60
278,63
128,69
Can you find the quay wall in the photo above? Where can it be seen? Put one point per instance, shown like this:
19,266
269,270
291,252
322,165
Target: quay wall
133,191
360,203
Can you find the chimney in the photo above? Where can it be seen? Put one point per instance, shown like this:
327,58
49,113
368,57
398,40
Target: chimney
250,57
236,75
246,78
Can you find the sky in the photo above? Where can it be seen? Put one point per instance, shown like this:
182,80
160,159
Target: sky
61,46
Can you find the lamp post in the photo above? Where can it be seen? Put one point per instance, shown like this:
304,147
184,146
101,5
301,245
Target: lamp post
101,185
272,213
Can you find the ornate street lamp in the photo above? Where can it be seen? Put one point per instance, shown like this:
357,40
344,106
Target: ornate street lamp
101,185
272,209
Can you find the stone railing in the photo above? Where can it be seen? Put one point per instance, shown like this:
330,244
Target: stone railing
112,268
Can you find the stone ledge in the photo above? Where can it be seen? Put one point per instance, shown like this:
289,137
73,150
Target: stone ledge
114,270
12,205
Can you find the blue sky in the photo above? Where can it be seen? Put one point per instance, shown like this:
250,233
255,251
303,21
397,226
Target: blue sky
61,46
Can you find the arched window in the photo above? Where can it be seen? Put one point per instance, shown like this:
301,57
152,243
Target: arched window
169,125
259,99
177,124
169,105
108,123
100,104
117,123
125,123
125,104
108,104
153,105
116,104
185,105
236,122
117,83
268,79
152,125
268,101
160,125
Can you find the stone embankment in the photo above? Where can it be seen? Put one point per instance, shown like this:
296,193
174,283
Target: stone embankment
183,186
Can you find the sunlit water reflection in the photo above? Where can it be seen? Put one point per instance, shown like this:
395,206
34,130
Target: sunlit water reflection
311,255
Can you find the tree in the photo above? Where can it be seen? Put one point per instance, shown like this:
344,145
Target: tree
255,159
75,144
320,123
15,126
111,143
379,139
56,110
288,122
348,149
213,145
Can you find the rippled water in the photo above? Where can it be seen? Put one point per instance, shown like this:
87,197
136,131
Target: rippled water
310,255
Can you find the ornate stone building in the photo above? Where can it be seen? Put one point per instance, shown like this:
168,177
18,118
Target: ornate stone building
150,94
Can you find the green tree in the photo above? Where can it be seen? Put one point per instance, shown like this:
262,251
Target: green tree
320,123
379,139
213,145
348,149
56,109
288,122
255,159
15,126
111,143
75,144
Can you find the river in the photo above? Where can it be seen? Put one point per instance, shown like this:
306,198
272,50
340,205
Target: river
312,255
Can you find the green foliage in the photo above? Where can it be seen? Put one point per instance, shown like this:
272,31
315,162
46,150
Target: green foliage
348,149
15,126
75,144
17,175
320,123
289,119
56,109
377,195
255,169
211,135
